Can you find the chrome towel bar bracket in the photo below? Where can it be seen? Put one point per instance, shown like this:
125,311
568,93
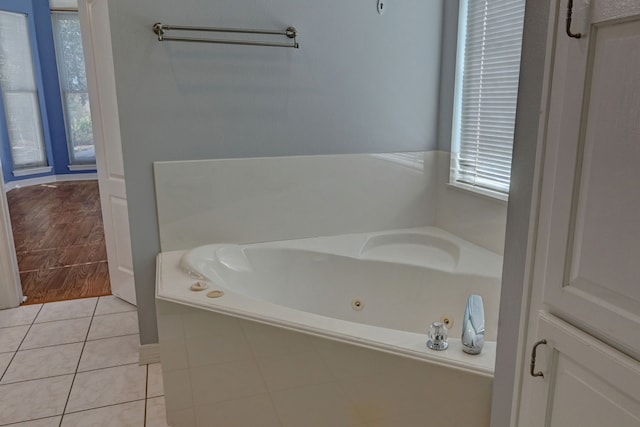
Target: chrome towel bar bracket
290,32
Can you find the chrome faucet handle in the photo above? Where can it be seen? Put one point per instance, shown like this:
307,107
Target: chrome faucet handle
473,326
438,337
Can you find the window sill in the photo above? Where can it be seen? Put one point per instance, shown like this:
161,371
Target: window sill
32,171
74,168
480,192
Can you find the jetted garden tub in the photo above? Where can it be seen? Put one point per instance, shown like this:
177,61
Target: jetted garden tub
326,331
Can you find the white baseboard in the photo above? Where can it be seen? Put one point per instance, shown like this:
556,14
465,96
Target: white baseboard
50,179
149,353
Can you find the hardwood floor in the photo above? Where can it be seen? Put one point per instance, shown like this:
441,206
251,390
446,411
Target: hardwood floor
59,239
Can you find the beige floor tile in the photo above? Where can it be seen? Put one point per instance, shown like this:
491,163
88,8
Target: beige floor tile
43,362
108,352
10,338
31,400
5,358
155,385
113,304
123,415
113,325
56,333
109,386
19,316
63,310
43,422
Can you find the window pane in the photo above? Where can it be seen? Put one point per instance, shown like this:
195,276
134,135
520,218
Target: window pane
20,93
70,55
80,130
73,83
24,132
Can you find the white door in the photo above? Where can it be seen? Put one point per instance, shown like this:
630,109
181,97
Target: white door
96,42
585,300
10,288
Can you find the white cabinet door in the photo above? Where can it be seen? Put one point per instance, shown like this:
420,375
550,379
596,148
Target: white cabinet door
586,270
591,384
96,42
591,193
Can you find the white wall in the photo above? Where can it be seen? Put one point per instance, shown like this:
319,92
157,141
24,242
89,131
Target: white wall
447,72
360,82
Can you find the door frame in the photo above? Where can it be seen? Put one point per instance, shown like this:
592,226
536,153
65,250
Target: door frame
520,298
11,289
10,286
522,212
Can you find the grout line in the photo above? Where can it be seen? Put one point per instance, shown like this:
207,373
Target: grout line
117,312
21,341
37,379
70,373
78,364
114,336
51,345
107,367
255,359
146,396
62,320
105,406
31,420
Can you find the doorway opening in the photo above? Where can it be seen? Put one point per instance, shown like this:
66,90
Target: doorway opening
59,240
48,155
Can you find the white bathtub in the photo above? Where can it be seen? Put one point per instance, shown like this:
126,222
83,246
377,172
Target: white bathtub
377,291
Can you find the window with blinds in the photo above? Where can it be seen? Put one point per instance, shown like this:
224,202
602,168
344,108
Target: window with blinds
73,84
489,45
20,93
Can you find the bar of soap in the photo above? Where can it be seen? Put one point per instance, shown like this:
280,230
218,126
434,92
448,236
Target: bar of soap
199,286
215,294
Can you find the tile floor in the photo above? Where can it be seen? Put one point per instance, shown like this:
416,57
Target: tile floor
75,363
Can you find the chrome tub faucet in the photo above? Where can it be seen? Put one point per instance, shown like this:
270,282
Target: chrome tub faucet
473,326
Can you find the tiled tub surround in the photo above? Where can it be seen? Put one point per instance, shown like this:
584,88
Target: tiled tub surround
282,198
244,359
75,363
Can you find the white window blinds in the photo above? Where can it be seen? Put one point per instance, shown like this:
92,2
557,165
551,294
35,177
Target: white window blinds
490,40
20,93
63,4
